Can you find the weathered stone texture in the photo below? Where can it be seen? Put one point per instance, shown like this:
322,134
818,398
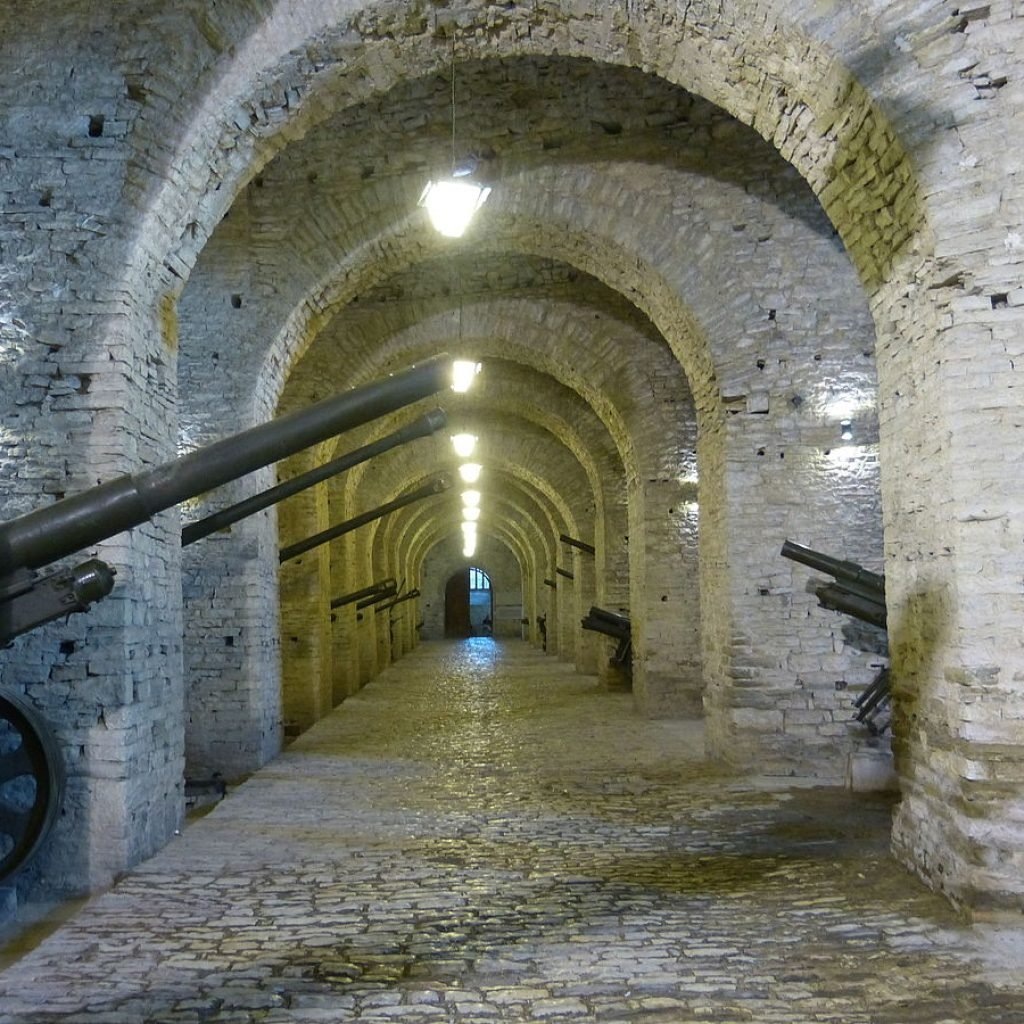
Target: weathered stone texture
708,221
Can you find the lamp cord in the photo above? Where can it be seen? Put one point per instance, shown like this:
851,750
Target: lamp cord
453,104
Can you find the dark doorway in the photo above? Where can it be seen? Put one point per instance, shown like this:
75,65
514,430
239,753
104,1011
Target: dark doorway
456,606
468,604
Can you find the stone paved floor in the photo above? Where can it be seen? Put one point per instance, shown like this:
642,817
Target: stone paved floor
482,836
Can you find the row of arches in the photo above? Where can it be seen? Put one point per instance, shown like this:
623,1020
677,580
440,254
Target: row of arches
714,237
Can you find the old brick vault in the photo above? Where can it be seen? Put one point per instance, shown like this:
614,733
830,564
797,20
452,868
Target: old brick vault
748,272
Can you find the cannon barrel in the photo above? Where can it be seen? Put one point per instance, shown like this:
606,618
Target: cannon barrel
422,427
848,572
435,486
41,537
398,600
609,623
574,543
838,598
371,590
382,595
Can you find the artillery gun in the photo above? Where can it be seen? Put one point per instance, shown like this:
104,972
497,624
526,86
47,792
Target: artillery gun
31,768
860,593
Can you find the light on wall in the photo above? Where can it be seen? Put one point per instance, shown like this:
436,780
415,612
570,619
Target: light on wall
846,430
464,444
470,499
470,472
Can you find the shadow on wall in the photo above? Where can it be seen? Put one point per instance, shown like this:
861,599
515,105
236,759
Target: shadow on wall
918,633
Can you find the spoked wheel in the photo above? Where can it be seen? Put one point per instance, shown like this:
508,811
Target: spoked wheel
31,782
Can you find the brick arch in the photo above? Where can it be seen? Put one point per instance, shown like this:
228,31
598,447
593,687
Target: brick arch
801,98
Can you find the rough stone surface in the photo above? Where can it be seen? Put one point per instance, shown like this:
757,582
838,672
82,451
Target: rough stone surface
484,835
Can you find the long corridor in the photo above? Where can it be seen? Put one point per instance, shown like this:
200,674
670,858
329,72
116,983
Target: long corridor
481,834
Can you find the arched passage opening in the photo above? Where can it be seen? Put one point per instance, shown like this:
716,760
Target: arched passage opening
468,604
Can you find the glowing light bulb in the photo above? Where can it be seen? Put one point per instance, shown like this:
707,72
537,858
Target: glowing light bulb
470,515
451,204
463,373
470,499
470,472
464,444
469,548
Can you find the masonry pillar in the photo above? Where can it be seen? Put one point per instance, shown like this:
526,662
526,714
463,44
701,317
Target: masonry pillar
305,614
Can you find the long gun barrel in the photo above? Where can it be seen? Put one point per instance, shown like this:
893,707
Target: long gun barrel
436,486
398,600
383,595
371,591
848,572
48,534
857,591
422,427
610,623
574,543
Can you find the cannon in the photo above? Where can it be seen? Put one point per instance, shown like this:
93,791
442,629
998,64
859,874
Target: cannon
373,590
860,593
422,427
580,545
408,596
856,591
30,764
438,485
619,628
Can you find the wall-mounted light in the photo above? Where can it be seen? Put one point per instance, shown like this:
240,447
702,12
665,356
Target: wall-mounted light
464,372
464,444
470,472
470,499
846,430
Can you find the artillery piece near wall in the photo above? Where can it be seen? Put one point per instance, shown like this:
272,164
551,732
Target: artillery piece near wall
860,593
31,767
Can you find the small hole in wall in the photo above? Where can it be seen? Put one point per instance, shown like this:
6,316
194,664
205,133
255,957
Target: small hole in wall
1000,301
664,597
229,641
67,647
771,314
236,301
96,126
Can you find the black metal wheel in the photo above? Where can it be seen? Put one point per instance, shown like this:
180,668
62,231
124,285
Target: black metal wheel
31,782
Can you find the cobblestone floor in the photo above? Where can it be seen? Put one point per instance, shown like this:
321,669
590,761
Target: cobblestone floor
482,836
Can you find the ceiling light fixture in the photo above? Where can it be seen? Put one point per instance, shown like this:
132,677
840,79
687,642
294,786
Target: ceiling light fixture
451,202
464,444
470,472
470,499
464,371
471,514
